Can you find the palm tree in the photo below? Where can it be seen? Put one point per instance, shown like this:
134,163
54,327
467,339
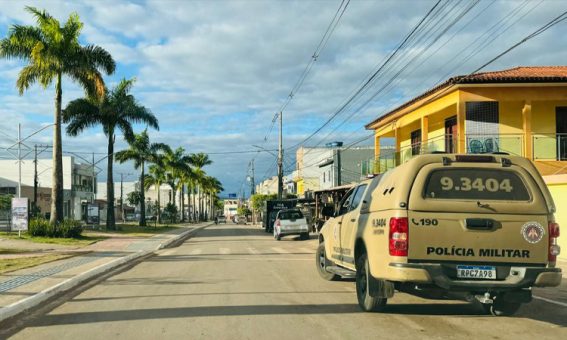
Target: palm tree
156,177
211,187
53,51
199,160
141,151
117,111
176,163
186,180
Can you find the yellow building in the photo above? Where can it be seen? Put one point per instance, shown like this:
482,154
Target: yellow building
520,111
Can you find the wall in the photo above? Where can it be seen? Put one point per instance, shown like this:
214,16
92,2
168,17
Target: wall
558,190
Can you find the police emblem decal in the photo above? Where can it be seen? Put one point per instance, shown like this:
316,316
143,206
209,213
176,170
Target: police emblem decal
533,232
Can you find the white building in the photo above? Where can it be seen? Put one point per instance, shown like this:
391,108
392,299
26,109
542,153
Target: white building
78,184
230,208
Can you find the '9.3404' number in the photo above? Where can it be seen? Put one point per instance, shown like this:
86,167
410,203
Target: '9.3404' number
479,184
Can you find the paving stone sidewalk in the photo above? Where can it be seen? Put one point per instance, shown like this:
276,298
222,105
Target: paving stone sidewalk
20,284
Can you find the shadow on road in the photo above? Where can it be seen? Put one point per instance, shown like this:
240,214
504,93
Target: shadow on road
187,312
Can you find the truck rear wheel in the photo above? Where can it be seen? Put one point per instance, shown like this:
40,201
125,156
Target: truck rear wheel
322,263
367,302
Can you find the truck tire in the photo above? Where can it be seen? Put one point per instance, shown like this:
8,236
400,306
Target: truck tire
322,262
366,302
304,236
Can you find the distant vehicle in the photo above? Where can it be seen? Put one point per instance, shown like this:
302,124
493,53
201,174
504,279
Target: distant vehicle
220,219
271,209
290,222
240,219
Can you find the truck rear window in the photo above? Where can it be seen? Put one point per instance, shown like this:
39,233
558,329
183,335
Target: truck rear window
290,215
476,184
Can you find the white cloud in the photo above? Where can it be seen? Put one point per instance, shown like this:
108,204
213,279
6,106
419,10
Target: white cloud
215,72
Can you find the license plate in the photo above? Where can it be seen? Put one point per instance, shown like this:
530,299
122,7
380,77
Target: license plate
476,272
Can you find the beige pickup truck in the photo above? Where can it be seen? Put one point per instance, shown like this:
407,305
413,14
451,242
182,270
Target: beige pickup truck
472,227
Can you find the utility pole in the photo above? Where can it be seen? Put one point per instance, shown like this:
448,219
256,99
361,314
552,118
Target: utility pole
339,174
35,181
252,184
19,160
280,161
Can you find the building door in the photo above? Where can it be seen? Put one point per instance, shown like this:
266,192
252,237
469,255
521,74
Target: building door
415,142
451,134
482,127
561,130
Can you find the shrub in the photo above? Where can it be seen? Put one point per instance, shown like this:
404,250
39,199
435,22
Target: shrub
67,229
170,213
38,227
70,228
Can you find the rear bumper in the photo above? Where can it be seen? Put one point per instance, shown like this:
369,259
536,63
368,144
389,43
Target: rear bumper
294,231
513,277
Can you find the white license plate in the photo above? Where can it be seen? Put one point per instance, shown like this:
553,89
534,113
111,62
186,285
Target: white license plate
476,272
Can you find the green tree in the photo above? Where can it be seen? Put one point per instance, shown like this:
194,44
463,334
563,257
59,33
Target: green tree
156,177
176,163
51,52
117,111
200,160
141,151
134,198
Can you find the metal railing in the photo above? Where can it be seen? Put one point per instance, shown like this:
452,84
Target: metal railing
549,146
475,144
512,144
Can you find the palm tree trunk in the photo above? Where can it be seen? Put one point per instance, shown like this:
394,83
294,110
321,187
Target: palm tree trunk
142,199
110,222
194,206
182,202
158,185
189,201
57,187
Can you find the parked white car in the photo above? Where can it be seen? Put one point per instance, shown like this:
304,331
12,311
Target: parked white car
290,222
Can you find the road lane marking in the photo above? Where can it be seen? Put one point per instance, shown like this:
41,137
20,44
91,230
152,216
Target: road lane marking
550,301
279,250
253,251
196,251
224,251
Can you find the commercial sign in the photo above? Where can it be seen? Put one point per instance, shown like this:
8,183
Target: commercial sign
231,195
92,214
19,214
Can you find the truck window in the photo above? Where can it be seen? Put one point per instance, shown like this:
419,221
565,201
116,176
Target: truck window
345,202
357,198
475,184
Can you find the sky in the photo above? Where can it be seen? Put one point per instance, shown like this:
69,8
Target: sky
216,72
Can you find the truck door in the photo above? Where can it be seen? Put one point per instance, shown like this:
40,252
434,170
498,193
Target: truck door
349,225
343,209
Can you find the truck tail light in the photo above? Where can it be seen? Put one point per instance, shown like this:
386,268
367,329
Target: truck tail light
554,249
399,236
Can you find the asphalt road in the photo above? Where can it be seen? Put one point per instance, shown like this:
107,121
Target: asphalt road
236,282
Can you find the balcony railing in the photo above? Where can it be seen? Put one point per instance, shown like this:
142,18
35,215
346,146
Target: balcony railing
512,144
552,147
478,143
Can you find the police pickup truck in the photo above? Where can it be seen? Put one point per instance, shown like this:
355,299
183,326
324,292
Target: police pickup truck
472,227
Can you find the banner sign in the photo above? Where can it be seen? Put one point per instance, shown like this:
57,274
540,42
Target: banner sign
19,214
92,214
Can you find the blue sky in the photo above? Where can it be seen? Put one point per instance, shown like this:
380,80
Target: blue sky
215,72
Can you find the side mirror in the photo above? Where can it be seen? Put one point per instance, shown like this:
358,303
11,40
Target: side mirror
328,211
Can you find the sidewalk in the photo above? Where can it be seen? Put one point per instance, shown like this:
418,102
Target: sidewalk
21,285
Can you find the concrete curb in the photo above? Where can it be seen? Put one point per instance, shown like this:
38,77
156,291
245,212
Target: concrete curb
176,241
28,303
34,300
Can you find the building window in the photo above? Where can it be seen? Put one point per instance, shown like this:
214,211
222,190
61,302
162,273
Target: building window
324,175
8,191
